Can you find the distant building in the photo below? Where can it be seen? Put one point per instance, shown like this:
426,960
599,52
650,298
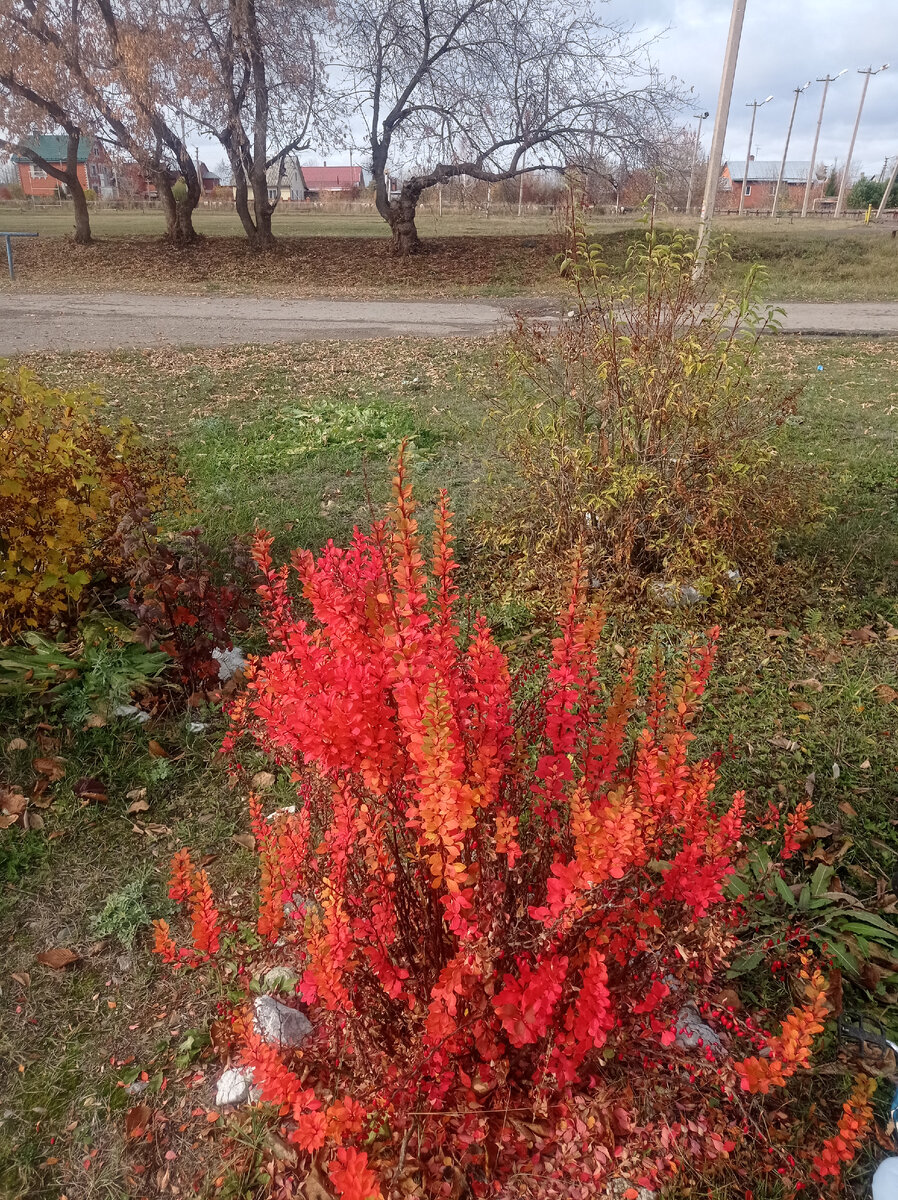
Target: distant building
94,166
328,180
290,186
210,181
760,185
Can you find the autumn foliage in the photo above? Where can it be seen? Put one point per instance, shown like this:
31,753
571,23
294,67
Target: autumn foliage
503,895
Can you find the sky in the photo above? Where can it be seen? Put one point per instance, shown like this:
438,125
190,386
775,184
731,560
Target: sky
784,43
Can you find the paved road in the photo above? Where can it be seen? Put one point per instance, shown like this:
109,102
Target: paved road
121,320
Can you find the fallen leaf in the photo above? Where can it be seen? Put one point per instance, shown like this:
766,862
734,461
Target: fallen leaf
865,765
885,694
777,633
263,780
848,809
95,721
22,977
53,768
156,750
245,839
860,637
811,685
783,743
12,803
42,799
16,744
32,820
137,1119
136,794
58,958
91,789
138,806
802,706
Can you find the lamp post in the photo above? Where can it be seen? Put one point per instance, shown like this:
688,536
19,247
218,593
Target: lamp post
779,182
698,133
867,72
754,105
826,81
715,154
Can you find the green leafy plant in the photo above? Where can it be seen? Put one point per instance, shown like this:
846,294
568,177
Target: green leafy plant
637,431
129,910
88,676
861,943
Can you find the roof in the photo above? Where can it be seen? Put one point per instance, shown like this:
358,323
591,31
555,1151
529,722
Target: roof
54,148
335,178
207,174
769,171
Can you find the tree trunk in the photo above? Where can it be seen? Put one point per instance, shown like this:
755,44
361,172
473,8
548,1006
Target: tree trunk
263,238
82,213
402,224
169,204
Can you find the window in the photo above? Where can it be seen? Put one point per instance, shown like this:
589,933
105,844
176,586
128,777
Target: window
38,173
748,189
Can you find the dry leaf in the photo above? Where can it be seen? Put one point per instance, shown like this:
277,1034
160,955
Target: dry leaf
156,750
783,743
16,744
95,721
848,809
12,803
41,800
810,685
32,820
136,794
138,806
91,789
22,977
245,839
885,694
802,706
58,958
777,633
263,780
860,637
137,1119
53,767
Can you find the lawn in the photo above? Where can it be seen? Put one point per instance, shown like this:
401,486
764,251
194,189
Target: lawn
299,438
325,254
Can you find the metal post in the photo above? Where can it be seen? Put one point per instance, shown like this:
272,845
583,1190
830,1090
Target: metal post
866,72
754,105
12,273
521,183
779,182
698,133
826,81
885,196
715,155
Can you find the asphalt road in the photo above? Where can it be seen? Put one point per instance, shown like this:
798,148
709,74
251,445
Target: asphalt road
113,321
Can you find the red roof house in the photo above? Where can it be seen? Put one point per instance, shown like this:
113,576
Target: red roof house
332,179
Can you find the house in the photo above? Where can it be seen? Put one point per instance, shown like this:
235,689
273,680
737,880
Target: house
289,187
760,185
328,180
94,166
210,181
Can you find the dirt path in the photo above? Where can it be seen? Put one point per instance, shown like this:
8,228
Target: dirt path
124,320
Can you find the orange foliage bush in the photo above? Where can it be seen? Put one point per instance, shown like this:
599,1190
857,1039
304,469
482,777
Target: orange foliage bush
502,902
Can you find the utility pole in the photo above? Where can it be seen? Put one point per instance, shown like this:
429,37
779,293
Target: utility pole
715,155
866,72
885,196
521,183
754,105
826,81
698,133
779,182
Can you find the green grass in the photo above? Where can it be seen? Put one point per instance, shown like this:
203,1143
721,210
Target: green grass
300,438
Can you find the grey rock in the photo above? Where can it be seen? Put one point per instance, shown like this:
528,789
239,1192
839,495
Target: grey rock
674,595
131,710
229,662
138,1087
694,1034
279,979
279,1024
621,1184
235,1087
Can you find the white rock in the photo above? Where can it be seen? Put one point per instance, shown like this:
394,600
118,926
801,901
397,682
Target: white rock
235,1087
229,662
279,1024
132,711
695,1034
196,726
137,1087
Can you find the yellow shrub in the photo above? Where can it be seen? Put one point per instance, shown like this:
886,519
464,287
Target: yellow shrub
64,480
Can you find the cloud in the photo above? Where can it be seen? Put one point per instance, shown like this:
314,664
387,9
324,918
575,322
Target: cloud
782,46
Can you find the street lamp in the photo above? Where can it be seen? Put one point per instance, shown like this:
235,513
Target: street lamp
779,182
698,133
754,105
826,81
866,72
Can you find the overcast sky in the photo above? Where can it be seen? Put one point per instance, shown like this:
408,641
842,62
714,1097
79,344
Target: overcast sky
784,43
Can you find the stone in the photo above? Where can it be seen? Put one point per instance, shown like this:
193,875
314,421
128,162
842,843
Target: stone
694,1034
279,979
885,1180
138,1087
229,662
235,1087
621,1184
280,1025
674,595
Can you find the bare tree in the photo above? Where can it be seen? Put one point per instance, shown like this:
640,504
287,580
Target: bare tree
259,87
490,89
38,95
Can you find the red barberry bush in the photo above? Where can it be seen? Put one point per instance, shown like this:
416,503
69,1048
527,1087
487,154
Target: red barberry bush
503,908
